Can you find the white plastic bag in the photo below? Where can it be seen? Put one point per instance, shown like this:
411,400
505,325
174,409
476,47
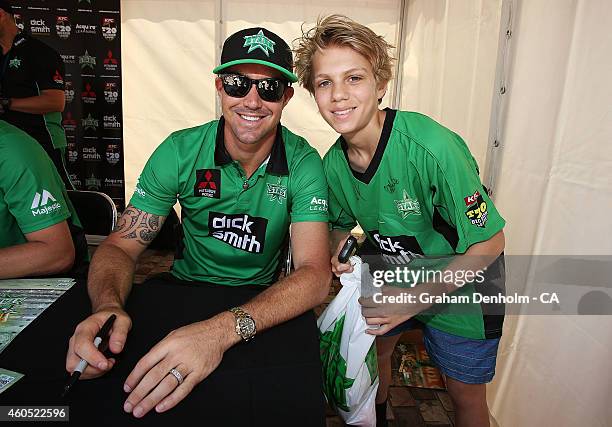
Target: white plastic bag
348,354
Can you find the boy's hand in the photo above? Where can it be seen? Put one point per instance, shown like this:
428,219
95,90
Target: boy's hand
338,267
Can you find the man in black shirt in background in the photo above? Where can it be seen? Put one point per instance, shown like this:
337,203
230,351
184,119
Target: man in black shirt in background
32,88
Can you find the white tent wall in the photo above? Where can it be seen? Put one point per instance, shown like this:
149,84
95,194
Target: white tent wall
170,48
554,187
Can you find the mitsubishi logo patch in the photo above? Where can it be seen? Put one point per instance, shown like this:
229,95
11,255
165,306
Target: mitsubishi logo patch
259,41
208,183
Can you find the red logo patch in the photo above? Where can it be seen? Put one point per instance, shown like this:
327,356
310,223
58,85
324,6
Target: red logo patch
57,78
208,183
470,200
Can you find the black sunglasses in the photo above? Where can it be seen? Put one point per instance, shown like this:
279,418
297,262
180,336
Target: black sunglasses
238,86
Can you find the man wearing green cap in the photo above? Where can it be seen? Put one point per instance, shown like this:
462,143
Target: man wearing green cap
242,181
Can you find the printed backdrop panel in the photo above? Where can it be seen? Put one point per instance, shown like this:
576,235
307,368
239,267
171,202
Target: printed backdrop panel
87,34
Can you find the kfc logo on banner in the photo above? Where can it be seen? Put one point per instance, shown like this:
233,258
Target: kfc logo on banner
113,154
62,27
208,183
242,231
69,92
73,153
88,95
111,93
109,29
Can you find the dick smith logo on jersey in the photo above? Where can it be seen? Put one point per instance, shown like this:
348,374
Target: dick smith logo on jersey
476,209
397,249
241,231
44,203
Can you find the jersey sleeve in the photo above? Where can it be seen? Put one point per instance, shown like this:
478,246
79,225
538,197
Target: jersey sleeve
157,187
33,190
339,219
460,197
49,71
309,198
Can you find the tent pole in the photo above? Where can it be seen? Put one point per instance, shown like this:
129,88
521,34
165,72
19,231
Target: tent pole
219,35
499,102
396,98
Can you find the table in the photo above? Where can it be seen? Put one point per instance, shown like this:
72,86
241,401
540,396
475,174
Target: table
275,379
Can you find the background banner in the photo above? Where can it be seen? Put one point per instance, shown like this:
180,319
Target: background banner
86,33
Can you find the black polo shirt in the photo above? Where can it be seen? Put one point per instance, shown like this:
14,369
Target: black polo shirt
28,68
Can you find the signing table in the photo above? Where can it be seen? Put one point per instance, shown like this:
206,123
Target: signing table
275,379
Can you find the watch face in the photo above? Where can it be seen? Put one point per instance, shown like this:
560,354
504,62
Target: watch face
247,326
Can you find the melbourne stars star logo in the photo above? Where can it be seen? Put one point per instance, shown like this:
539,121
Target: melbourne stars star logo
259,41
15,63
277,192
407,206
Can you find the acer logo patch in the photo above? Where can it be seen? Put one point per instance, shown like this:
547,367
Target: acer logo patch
242,231
208,183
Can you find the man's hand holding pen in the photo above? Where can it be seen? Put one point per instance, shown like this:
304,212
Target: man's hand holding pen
81,344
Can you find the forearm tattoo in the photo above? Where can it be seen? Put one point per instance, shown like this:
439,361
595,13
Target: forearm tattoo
139,225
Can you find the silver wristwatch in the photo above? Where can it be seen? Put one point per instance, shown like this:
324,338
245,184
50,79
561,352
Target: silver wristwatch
245,325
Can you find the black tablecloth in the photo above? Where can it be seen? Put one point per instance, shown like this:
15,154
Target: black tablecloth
275,379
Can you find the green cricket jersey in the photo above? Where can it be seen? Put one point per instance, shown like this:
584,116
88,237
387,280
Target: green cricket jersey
233,227
421,195
32,195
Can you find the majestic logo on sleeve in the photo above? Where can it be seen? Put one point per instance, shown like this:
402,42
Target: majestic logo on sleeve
407,206
259,41
44,203
476,209
242,231
208,183
397,249
277,191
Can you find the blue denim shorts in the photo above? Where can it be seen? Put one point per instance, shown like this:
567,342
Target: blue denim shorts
468,360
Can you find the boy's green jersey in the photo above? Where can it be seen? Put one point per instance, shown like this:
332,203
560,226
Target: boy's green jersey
421,195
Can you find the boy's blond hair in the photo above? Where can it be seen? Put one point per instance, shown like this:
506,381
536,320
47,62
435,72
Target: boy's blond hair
341,31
